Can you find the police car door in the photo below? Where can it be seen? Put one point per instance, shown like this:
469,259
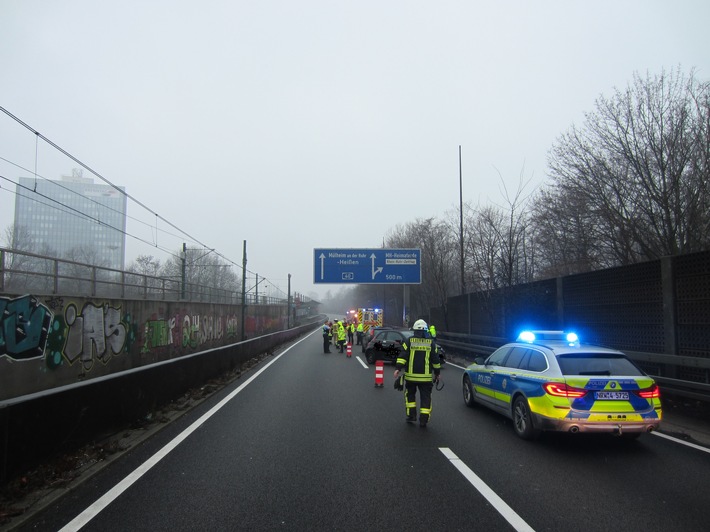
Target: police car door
511,378
488,377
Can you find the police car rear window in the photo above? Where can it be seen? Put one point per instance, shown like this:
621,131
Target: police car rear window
598,364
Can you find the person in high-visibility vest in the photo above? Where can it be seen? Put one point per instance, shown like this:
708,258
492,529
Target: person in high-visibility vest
351,332
422,366
334,333
326,337
360,331
342,335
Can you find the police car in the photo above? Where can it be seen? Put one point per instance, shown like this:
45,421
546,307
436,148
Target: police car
549,381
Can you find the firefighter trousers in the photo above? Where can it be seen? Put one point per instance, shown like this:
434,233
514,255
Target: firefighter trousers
410,399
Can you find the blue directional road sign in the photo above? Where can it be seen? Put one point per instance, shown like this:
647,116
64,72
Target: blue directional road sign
367,266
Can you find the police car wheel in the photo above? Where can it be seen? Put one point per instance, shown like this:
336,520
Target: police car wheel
469,393
522,420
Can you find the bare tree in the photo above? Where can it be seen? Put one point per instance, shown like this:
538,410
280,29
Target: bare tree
19,237
565,235
438,261
145,265
498,243
639,168
206,274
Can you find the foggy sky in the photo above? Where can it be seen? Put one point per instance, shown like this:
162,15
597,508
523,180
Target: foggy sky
314,124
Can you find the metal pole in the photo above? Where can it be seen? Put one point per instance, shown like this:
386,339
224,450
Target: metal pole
463,279
288,311
244,285
182,289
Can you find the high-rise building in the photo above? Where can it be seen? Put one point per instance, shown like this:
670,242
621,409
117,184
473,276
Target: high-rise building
74,218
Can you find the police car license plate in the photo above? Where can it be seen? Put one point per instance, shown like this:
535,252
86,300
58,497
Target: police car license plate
613,396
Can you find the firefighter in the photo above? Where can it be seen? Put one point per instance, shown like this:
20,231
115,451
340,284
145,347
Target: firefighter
334,333
421,365
360,331
326,337
341,337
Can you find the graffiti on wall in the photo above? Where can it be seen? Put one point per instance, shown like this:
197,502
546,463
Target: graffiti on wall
94,333
69,333
186,331
24,327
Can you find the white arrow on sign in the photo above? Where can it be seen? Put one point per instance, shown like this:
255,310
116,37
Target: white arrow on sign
374,271
322,260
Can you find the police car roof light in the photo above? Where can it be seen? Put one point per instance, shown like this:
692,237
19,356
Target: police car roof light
572,338
526,336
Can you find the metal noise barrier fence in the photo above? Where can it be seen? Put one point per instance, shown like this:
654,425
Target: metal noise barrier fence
473,346
657,312
46,424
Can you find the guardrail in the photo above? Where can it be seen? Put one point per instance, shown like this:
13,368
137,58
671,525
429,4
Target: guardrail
24,272
485,345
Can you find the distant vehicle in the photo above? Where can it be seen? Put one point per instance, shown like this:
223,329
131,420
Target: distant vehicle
371,333
386,345
548,381
369,317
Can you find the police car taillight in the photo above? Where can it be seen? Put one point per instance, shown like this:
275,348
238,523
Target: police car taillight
649,393
560,389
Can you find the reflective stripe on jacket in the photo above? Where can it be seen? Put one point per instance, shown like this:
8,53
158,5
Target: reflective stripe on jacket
419,360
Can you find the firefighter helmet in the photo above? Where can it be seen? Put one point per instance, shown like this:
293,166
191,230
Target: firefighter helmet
420,325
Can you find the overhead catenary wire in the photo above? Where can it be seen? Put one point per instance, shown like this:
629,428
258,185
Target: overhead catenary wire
79,214
54,204
189,237
86,167
59,203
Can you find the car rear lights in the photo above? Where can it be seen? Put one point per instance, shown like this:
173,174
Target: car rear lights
560,389
649,393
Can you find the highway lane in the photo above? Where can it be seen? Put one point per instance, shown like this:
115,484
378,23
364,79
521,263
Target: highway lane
306,442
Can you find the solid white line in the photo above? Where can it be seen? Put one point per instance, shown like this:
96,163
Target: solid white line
92,511
655,433
499,504
677,440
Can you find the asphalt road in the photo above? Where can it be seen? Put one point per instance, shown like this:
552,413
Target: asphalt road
305,441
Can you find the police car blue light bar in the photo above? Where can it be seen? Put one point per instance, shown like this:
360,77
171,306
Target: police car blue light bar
531,336
526,336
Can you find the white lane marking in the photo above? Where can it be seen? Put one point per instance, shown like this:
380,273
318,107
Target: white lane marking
655,433
499,504
92,511
677,440
361,362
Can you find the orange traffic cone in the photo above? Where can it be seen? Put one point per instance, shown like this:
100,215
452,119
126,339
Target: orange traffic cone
349,349
379,373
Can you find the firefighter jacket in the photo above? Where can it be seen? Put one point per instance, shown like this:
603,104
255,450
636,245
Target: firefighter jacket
419,359
341,332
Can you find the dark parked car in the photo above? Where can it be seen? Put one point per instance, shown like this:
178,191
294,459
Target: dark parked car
386,344
370,335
